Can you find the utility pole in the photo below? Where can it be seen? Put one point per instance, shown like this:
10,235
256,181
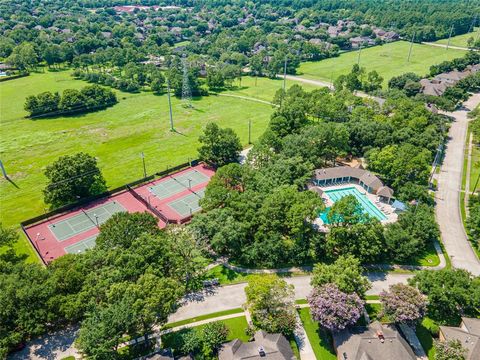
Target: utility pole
249,131
411,45
170,105
472,25
449,37
359,53
3,170
142,155
285,74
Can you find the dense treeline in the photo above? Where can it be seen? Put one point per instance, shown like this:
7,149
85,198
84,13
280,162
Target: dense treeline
89,98
258,214
131,282
260,33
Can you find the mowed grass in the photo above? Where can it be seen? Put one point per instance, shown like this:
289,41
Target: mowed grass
116,136
388,60
319,339
236,330
262,88
461,40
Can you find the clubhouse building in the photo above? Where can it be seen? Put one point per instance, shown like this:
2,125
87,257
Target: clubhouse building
346,174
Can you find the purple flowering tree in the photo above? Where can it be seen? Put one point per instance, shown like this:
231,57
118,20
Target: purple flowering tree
403,304
334,309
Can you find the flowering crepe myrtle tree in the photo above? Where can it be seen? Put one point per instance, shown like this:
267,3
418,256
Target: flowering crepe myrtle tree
334,309
403,304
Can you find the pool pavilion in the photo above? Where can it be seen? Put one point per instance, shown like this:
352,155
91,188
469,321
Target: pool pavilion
348,175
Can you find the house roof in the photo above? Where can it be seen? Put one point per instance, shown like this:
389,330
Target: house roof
274,346
468,334
364,176
365,343
385,191
164,354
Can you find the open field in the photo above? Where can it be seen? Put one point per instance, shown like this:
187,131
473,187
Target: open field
460,40
116,136
388,60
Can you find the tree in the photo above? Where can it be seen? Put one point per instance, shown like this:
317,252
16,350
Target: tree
345,273
102,330
23,56
346,211
219,146
334,309
451,293
373,82
450,350
271,303
72,177
72,99
123,228
214,335
403,304
365,241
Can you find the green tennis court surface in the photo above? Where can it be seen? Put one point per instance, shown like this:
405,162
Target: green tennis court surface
84,221
188,204
81,246
177,184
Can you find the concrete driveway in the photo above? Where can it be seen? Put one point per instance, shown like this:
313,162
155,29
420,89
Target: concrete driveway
447,196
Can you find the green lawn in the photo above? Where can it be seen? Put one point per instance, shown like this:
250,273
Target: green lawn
236,327
262,88
203,317
320,340
388,60
460,40
475,167
116,136
424,333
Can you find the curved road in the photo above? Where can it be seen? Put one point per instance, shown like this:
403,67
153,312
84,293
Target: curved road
447,196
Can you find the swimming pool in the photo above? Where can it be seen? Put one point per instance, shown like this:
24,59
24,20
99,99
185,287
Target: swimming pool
367,206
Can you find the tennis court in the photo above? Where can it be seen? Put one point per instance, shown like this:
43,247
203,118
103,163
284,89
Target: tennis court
188,204
176,184
85,220
81,246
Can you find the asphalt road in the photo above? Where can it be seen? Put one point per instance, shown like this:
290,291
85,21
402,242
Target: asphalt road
447,196
233,296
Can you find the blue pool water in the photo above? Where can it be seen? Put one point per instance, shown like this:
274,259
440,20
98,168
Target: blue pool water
367,206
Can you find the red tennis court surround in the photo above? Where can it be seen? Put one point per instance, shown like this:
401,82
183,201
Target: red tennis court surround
163,194
172,199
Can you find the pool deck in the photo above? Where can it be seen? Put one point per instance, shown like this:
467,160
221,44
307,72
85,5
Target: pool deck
385,208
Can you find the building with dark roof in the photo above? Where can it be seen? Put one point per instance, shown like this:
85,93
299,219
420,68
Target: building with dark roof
345,174
372,342
468,333
265,346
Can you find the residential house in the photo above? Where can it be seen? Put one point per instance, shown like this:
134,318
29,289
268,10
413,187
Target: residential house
440,83
264,346
468,333
372,342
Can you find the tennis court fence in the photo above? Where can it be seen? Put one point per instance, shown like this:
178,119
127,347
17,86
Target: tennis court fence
111,192
149,206
87,200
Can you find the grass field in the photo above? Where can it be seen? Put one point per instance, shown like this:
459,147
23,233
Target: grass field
116,136
388,60
460,40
